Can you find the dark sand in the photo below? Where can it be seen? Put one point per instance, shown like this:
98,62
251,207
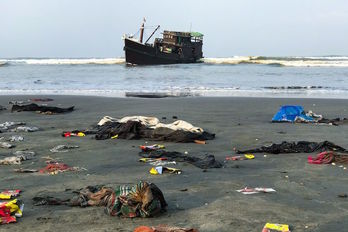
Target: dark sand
306,194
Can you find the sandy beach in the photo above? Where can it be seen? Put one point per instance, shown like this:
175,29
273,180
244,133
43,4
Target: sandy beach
306,196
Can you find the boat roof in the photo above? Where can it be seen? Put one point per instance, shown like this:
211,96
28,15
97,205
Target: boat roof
183,34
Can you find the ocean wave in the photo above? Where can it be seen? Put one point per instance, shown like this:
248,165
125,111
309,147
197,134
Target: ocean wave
67,61
304,92
327,61
295,61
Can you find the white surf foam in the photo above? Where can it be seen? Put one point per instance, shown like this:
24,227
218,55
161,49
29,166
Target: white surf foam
282,61
68,61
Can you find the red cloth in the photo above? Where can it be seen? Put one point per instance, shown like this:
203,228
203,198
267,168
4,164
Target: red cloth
325,157
52,167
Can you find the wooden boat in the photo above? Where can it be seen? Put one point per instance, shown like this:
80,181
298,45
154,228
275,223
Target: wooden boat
175,47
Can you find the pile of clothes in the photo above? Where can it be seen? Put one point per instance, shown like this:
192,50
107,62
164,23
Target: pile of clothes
141,127
293,147
40,108
141,200
296,114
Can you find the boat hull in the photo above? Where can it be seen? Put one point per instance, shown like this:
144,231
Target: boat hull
140,54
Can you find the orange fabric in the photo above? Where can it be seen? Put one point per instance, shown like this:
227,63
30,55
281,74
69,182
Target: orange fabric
143,229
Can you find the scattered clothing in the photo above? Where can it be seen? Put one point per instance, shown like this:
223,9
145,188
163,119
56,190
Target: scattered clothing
8,194
16,138
24,170
17,159
328,157
10,210
296,114
41,109
63,148
208,161
73,134
293,147
25,129
159,170
271,227
163,228
152,147
248,191
28,154
6,145
245,157
54,167
16,127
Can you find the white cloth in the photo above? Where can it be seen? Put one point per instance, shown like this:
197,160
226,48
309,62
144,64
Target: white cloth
154,123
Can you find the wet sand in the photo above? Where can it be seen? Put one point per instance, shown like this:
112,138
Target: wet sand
306,196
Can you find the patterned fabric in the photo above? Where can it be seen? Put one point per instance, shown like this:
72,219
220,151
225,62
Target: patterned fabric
141,200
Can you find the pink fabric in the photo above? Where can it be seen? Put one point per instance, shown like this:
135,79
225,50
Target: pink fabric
325,157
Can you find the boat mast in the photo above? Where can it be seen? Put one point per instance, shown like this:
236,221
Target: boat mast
142,31
152,33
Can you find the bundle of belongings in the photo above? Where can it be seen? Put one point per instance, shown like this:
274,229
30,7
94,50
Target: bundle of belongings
296,114
293,147
141,200
328,157
11,209
41,109
208,161
141,127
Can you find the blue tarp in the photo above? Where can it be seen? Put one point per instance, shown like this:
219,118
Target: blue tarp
290,113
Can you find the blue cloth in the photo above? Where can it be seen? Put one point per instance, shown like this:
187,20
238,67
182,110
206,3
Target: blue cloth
289,114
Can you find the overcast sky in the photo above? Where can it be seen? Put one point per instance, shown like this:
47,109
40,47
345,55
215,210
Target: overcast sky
93,28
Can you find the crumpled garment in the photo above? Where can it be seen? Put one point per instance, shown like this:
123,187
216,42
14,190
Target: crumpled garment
208,161
137,127
248,191
293,147
42,109
63,148
10,210
17,159
6,145
25,129
16,138
6,126
159,170
152,147
27,154
163,228
2,108
8,194
141,200
54,167
328,157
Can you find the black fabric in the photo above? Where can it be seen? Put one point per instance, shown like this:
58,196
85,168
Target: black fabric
35,107
335,121
293,147
135,130
208,161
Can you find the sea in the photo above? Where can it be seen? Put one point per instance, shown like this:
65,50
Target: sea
249,76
